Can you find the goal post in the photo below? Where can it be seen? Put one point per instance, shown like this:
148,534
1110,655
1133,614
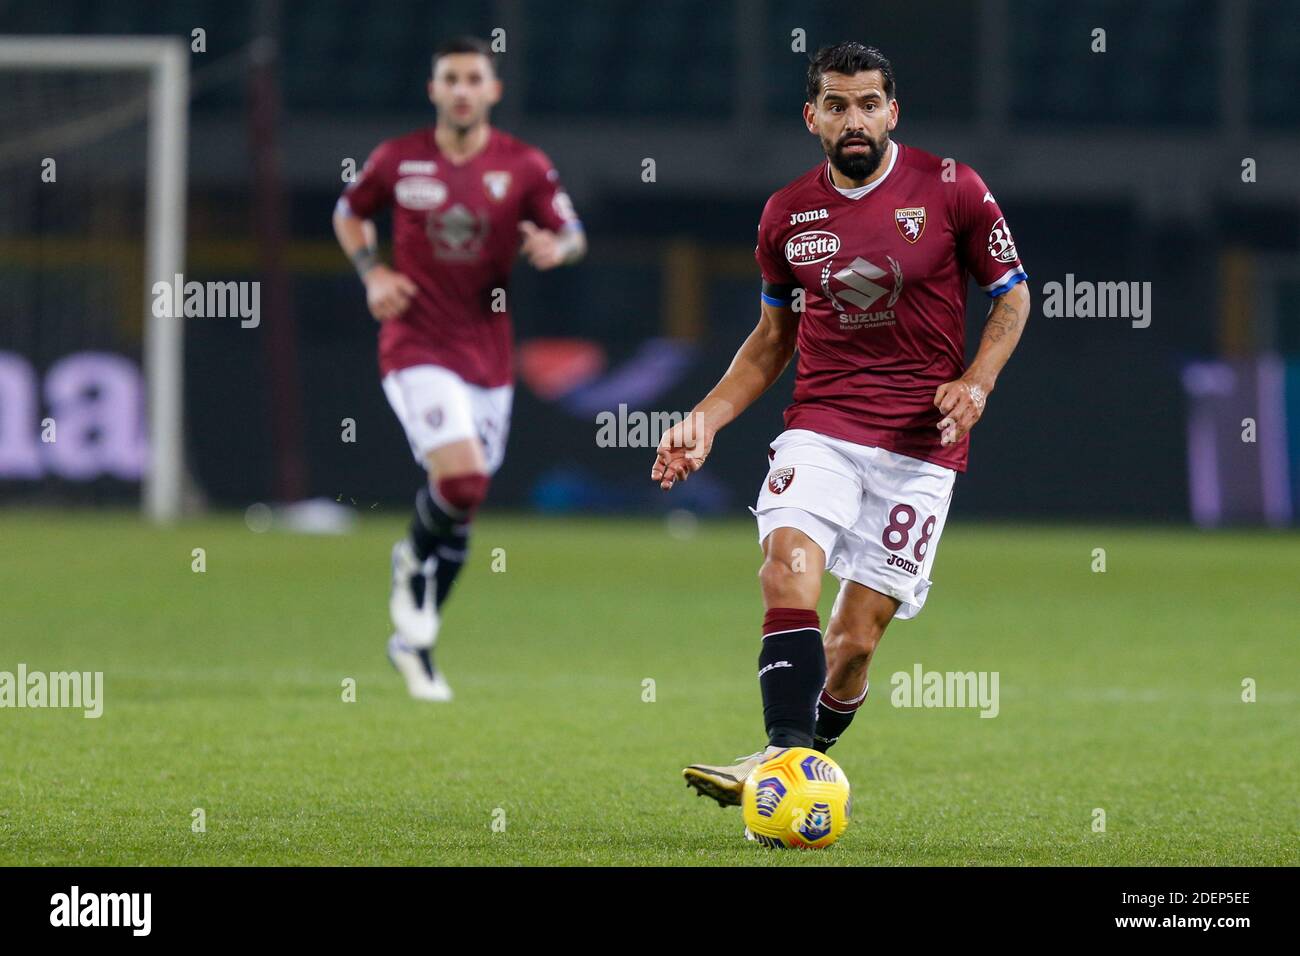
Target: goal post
165,60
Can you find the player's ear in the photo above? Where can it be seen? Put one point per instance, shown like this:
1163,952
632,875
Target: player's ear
496,91
893,114
810,117
429,88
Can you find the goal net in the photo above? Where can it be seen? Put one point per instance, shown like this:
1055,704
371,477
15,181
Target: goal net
92,155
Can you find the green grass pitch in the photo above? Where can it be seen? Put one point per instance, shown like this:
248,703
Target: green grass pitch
224,691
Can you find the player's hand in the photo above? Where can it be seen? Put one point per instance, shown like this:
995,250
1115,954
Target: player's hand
388,293
542,247
681,451
962,403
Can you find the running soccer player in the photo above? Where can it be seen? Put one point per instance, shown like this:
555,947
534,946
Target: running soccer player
463,196
865,261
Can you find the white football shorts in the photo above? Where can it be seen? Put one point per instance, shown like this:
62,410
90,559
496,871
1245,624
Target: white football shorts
878,515
437,407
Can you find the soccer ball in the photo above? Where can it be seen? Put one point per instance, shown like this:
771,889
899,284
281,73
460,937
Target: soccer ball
800,798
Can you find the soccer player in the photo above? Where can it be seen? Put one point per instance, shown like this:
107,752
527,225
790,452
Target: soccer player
463,196
865,260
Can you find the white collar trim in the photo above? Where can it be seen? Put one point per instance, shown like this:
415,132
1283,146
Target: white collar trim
857,192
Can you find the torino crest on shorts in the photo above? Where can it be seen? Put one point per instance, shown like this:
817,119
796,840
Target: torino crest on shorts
779,480
885,279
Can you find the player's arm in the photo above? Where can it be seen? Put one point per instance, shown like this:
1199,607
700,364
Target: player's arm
388,293
551,231
961,402
759,362
547,248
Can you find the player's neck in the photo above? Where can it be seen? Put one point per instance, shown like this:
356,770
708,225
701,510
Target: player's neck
460,146
843,182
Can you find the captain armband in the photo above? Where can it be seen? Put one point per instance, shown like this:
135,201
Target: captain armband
777,293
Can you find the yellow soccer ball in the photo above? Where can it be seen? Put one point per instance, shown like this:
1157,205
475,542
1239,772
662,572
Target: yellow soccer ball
800,798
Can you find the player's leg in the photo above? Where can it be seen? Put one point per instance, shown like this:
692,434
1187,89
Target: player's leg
437,534
811,495
444,507
428,559
791,663
858,621
885,564
460,474
435,408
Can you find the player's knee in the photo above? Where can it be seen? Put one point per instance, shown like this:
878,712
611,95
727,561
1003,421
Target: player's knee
464,493
782,584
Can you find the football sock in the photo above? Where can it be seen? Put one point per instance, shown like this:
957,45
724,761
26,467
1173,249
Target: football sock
834,716
791,673
451,552
430,523
440,530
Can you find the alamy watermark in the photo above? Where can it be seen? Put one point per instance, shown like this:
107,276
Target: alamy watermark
129,910
36,689
922,688
638,429
208,300
1084,299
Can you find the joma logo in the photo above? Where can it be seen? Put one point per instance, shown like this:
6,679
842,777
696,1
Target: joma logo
810,216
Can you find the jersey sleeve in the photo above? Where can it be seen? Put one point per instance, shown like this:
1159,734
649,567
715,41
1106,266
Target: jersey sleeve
779,282
372,190
546,204
984,242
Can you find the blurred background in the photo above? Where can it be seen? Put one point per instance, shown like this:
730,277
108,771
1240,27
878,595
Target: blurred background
1172,157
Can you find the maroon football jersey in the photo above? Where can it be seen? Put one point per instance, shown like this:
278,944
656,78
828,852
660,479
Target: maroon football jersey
455,235
884,279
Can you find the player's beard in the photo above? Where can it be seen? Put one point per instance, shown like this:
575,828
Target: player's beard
858,166
462,127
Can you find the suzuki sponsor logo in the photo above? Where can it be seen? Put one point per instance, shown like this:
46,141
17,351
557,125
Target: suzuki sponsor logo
867,320
811,215
809,247
457,233
859,289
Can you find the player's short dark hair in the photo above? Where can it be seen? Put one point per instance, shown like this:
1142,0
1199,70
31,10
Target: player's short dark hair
462,44
849,57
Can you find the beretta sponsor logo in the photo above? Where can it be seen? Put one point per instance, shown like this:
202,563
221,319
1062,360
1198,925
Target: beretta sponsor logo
420,192
809,247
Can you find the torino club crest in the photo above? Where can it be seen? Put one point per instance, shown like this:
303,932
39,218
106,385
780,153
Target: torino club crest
497,184
910,222
779,480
